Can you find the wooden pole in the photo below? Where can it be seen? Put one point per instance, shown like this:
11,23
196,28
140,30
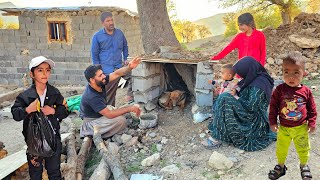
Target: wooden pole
83,156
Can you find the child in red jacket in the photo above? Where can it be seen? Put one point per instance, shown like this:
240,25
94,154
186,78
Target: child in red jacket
250,42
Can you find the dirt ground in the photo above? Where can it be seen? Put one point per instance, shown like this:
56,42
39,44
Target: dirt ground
185,151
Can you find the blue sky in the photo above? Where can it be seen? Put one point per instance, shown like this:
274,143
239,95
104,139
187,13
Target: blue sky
186,9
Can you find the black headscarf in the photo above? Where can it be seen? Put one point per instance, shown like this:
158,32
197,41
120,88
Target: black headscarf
253,74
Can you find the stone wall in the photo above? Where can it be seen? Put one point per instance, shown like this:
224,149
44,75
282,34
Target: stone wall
18,47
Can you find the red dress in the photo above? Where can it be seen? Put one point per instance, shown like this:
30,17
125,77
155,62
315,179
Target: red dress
253,45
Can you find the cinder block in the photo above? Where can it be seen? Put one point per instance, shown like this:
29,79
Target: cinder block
202,81
34,52
204,68
43,39
10,46
77,46
143,84
46,52
204,97
32,26
59,53
144,69
86,26
76,19
55,45
33,39
23,39
89,19
4,39
146,96
66,46
42,46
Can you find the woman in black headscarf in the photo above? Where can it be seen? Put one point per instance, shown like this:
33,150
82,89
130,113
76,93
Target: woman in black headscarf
242,119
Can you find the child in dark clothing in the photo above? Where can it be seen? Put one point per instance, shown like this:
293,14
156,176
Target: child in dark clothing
46,98
293,104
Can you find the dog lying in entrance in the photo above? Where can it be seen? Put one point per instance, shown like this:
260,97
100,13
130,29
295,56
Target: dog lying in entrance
168,100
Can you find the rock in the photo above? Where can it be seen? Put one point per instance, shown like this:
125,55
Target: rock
113,148
202,135
63,158
150,106
314,74
6,112
164,140
159,147
233,159
219,161
304,42
240,151
133,141
220,173
194,108
117,138
2,145
270,60
171,169
125,138
151,160
169,55
164,49
152,134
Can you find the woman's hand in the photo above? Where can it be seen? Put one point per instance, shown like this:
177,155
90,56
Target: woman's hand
233,92
47,110
134,62
32,107
274,128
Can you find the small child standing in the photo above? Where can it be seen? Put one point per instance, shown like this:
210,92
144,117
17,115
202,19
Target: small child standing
293,103
51,102
229,83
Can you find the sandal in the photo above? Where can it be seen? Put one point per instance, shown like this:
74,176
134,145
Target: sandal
210,144
277,172
305,172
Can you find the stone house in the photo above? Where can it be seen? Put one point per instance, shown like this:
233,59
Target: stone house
61,34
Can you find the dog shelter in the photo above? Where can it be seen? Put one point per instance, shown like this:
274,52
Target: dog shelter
154,76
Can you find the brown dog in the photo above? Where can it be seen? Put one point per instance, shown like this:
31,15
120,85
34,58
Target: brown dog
171,99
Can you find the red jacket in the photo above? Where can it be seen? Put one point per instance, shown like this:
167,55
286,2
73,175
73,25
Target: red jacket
293,105
253,45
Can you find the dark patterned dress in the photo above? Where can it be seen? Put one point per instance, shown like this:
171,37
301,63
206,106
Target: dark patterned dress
243,122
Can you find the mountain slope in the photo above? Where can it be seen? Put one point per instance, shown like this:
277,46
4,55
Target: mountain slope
214,23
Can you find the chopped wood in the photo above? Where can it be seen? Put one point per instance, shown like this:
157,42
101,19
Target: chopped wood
102,171
83,156
112,161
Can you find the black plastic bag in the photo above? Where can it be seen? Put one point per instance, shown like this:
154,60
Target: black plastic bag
40,136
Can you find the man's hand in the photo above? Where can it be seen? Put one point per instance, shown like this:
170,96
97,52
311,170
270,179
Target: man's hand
136,109
32,107
311,129
47,110
134,62
274,128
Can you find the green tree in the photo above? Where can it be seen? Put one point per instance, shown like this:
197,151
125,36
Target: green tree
231,24
203,31
185,31
12,25
171,8
2,25
313,6
287,7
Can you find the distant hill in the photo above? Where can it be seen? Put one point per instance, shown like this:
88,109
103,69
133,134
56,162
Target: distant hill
214,23
7,5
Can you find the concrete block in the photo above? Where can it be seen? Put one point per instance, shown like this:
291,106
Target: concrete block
43,39
4,39
10,46
41,32
74,72
89,33
42,46
40,20
43,26
66,46
34,52
33,39
46,52
59,53
55,45
77,33
77,46
62,77
75,78
31,45
144,69
22,70
32,26
3,70
76,19
204,97
202,81
23,39
143,84
14,39
13,52
5,63
146,96
89,19
86,26
6,112
204,68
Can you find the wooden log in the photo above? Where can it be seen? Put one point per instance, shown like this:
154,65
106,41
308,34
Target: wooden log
102,171
112,161
82,157
69,170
